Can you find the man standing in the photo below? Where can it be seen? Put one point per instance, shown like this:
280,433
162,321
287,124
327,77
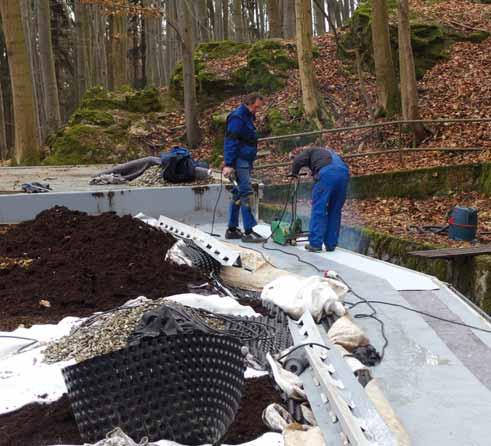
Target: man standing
240,151
331,176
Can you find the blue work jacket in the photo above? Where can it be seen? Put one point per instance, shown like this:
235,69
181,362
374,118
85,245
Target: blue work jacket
240,137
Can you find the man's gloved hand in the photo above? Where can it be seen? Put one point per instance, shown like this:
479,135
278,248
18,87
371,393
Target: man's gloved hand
228,171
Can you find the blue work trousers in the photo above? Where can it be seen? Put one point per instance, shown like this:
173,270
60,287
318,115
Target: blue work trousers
241,197
328,197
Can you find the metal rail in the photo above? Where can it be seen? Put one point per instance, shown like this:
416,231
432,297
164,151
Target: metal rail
347,407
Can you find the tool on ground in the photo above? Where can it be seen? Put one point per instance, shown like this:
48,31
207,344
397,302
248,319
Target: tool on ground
36,187
288,233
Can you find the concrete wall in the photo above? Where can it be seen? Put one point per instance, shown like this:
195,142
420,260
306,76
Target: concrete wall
187,204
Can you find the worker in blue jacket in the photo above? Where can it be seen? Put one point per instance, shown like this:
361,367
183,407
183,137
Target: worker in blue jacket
240,151
331,176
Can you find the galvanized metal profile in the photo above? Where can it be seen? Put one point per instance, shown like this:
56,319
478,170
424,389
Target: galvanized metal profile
345,399
216,249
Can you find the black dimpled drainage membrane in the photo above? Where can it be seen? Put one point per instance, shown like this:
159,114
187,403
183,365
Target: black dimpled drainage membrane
185,388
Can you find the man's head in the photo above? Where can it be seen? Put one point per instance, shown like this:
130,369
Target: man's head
254,102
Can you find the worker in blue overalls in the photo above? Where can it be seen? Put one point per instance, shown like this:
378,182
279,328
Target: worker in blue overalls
331,176
240,151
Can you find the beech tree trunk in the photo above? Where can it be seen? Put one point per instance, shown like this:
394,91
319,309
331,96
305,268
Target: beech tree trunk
48,72
151,48
238,20
193,132
311,106
289,19
219,34
274,18
409,91
26,142
83,49
226,18
3,128
320,20
118,66
387,93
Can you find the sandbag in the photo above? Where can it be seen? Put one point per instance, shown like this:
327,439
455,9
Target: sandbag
295,295
276,417
347,334
297,435
290,383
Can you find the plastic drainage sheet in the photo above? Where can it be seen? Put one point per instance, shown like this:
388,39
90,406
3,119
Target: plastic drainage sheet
279,337
185,388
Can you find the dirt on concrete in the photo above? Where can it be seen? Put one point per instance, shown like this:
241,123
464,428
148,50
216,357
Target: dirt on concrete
82,264
53,424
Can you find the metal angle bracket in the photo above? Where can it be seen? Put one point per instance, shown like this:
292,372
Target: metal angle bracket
358,418
216,249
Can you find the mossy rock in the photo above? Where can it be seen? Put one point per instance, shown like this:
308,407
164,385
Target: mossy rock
99,98
81,144
287,122
265,69
430,41
144,101
94,117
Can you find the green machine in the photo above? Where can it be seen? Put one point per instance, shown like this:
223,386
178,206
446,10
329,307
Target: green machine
287,233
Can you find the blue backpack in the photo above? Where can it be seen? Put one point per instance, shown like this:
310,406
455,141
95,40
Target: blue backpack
177,165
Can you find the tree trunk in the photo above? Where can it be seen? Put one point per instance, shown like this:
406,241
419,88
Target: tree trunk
26,143
387,94
48,73
212,18
238,21
151,48
320,20
226,18
289,19
303,12
118,69
98,43
202,20
193,132
83,49
261,14
409,92
3,129
274,18
219,35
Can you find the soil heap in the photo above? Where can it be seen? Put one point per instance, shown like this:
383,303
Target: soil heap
82,264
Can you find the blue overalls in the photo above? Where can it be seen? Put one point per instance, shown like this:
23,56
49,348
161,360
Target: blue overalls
240,150
328,197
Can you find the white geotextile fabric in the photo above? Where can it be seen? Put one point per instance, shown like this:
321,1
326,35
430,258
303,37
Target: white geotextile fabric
296,295
213,303
24,378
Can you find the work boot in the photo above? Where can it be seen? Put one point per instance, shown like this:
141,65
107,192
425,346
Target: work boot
253,237
312,248
233,234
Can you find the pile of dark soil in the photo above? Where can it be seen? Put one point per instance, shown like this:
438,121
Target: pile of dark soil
41,424
248,425
83,264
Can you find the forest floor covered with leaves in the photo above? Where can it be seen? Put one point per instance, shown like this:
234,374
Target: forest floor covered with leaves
405,217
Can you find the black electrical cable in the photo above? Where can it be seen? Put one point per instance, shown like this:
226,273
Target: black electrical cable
423,313
24,347
216,206
307,344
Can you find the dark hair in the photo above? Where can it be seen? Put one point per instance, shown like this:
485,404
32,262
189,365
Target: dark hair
252,98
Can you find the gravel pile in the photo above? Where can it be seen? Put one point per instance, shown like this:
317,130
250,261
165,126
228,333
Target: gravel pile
151,177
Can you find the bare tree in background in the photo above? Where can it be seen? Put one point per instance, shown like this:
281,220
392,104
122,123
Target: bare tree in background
289,27
118,53
47,62
238,19
320,19
387,92
409,91
310,95
3,128
26,142
193,132
274,18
